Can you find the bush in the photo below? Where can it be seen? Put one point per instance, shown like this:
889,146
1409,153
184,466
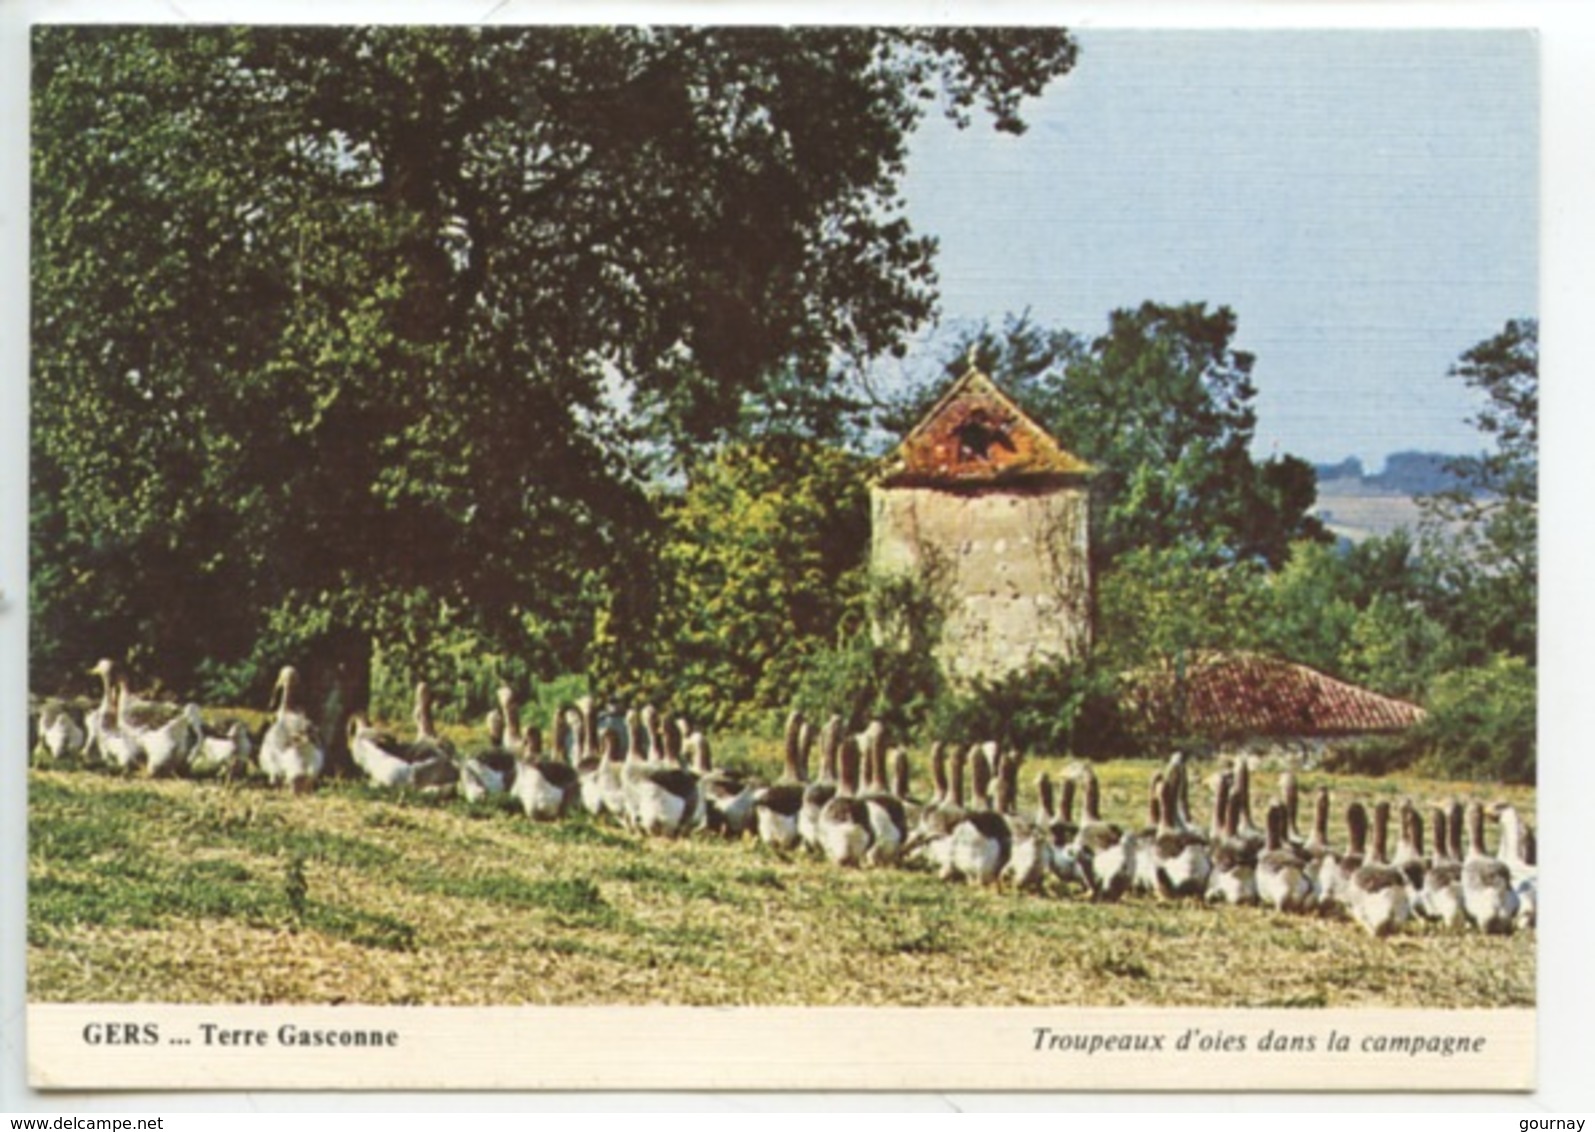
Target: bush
885,669
1481,723
1374,757
1051,707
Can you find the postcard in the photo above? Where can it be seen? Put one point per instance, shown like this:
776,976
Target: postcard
783,557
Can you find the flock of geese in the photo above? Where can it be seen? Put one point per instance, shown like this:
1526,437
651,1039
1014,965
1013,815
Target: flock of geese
658,778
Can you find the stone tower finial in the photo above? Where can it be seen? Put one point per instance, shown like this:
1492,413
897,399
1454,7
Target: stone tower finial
974,351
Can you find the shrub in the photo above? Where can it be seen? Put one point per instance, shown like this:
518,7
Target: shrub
1481,722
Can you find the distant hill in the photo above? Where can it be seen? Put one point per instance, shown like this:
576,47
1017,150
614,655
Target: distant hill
1405,473
1356,506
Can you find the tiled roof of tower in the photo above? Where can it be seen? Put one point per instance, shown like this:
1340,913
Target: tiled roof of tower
1233,695
977,434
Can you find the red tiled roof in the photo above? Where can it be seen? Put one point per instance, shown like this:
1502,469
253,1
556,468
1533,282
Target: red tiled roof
976,434
1233,695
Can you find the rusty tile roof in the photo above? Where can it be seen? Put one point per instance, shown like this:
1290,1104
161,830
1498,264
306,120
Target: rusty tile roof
1235,695
976,434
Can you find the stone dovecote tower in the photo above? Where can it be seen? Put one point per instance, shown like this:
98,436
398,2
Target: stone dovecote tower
985,508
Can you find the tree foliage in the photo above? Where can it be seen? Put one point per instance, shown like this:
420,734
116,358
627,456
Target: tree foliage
1484,534
1162,405
758,563
343,333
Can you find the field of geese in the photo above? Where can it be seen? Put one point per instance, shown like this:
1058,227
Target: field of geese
621,855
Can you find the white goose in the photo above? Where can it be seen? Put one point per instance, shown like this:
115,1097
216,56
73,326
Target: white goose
1111,849
843,827
660,799
1233,877
888,819
102,718
546,788
1030,849
981,842
1517,851
490,772
776,807
819,792
1440,895
164,733
1488,896
61,737
1282,877
726,799
1181,862
291,752
223,749
1376,893
392,764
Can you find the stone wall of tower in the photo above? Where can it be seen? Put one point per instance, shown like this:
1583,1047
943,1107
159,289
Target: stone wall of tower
1008,565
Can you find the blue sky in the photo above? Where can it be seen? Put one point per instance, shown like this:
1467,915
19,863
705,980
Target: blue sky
1366,202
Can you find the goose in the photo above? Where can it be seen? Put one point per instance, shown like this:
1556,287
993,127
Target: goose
901,773
1488,896
1282,877
888,819
392,764
1317,845
427,743
609,779
223,749
163,733
660,800
1335,872
119,746
1290,798
776,808
102,718
843,826
1144,876
1181,864
61,737
1030,849
1440,894
1056,817
493,771
591,760
290,751
1232,878
1408,856
931,840
546,788
1517,852
1376,893
823,789
1245,828
726,797
981,842
1111,849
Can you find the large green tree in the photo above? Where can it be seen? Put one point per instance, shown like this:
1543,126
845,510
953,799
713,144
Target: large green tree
1483,535
339,332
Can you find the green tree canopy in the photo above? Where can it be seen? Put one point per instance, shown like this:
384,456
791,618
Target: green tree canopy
334,327
1483,535
760,561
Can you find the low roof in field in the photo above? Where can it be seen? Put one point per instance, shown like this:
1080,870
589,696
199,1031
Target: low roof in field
977,434
1234,695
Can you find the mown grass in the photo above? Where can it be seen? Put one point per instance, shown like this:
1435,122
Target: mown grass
181,891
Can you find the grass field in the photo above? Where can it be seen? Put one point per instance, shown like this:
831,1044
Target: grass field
181,891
